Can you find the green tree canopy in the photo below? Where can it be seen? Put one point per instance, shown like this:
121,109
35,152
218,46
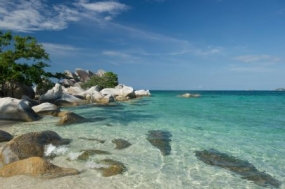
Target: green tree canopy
22,61
107,80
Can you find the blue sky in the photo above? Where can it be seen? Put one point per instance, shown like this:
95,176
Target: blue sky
160,44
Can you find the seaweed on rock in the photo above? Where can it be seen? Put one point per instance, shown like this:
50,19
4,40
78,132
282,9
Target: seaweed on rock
240,167
161,140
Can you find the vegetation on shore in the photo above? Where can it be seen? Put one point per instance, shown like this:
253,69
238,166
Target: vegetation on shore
107,80
22,61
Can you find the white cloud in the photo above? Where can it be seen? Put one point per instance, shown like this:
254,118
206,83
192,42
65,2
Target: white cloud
254,69
60,49
105,6
256,58
33,15
118,54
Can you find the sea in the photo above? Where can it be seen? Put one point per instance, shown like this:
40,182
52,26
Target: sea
247,126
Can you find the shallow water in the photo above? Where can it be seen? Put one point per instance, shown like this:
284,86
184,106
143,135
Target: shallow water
248,125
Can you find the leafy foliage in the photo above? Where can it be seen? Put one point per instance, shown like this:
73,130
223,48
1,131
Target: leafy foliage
107,80
22,60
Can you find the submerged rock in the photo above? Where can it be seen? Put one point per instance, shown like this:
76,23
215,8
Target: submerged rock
70,118
37,167
29,145
4,136
87,153
240,167
113,168
121,143
161,140
92,139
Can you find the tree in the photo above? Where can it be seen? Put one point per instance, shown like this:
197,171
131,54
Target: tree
22,61
107,80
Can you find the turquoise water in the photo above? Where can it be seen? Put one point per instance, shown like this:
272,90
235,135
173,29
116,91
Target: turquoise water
249,125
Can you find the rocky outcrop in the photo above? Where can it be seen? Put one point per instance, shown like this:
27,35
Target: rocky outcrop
15,109
241,167
121,143
4,136
141,93
32,102
29,145
68,118
56,96
52,94
45,108
36,167
161,140
82,74
188,95
73,90
121,90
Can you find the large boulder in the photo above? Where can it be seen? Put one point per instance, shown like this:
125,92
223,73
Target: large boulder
70,99
82,74
94,89
31,101
52,94
141,93
74,90
15,109
29,145
67,82
36,167
71,75
68,118
121,90
4,136
45,108
106,99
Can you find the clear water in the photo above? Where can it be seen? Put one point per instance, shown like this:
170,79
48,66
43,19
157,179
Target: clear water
249,125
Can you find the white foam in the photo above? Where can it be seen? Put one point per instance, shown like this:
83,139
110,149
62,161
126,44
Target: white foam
74,155
93,165
53,150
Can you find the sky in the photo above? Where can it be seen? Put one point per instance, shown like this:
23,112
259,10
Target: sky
160,44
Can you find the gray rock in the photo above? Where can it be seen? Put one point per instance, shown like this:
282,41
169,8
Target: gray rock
4,136
15,109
